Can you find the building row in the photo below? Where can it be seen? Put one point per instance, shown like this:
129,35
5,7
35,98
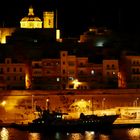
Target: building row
70,72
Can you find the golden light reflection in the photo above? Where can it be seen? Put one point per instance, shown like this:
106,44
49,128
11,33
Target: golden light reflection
76,83
57,136
104,137
10,102
3,103
82,106
89,135
4,134
76,136
134,133
34,136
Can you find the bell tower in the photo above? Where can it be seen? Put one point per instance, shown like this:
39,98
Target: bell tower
48,18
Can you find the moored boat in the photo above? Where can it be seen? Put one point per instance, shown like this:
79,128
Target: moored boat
54,122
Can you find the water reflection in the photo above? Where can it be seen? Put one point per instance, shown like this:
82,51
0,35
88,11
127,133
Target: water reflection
4,134
117,134
134,134
104,137
57,136
89,135
75,136
34,136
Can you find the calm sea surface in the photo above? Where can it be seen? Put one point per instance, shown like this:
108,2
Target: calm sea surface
116,134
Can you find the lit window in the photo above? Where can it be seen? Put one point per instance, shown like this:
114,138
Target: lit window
92,72
35,40
71,78
57,79
100,43
113,72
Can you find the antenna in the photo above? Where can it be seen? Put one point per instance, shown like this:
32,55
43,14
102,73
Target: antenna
56,19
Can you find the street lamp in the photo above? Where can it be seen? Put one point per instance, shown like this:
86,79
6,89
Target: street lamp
32,102
135,102
103,103
3,103
47,104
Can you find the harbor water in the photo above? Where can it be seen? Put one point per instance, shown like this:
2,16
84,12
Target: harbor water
115,134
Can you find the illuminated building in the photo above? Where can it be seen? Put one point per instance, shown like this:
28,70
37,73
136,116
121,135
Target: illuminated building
110,72
5,32
98,37
46,74
12,74
130,69
31,21
54,63
48,19
48,25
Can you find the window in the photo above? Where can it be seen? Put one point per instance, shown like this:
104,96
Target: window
71,72
48,72
81,64
1,78
20,78
8,61
8,69
133,70
113,65
36,65
133,62
92,72
107,66
1,70
63,63
71,63
113,72
64,71
20,69
108,73
71,78
14,69
15,78
57,79
81,72
8,78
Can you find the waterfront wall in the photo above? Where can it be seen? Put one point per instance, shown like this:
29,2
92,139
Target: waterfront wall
68,92
18,104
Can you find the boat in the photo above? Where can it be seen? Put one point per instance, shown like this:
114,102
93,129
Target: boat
54,122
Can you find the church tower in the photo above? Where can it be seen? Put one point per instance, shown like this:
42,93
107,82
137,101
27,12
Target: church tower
48,18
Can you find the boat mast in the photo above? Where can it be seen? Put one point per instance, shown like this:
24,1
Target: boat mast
92,105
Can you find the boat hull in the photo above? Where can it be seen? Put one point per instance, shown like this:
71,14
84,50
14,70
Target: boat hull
96,124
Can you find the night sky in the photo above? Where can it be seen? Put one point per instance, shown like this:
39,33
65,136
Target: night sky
75,16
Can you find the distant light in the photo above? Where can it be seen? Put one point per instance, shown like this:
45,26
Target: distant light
57,34
3,103
35,40
57,79
92,72
113,72
100,44
71,78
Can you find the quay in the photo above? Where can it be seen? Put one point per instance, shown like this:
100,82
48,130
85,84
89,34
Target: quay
20,105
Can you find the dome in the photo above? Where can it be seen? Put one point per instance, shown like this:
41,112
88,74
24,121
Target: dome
31,21
31,16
